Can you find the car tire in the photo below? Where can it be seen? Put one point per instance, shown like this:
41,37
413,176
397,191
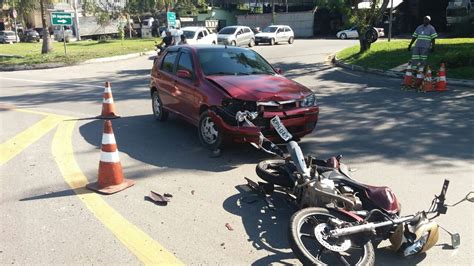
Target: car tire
257,43
158,112
343,36
272,41
251,43
208,133
291,40
233,43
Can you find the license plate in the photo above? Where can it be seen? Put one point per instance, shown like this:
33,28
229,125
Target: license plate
280,128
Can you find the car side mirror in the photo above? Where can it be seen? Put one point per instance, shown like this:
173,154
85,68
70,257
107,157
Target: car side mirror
185,74
279,71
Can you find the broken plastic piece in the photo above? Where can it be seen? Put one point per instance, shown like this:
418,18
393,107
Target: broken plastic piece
229,227
157,198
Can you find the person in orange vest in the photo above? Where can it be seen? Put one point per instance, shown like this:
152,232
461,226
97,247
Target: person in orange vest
424,36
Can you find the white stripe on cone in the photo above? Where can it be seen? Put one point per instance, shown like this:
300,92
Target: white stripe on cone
107,89
109,157
109,100
108,138
443,78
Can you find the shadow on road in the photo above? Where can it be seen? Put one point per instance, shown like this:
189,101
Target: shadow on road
172,144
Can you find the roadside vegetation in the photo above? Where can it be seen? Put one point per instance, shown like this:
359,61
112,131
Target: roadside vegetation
29,53
457,54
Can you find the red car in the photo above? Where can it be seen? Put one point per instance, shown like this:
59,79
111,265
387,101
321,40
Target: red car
208,85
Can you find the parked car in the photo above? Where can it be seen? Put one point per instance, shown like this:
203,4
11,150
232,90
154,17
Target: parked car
7,36
274,34
236,36
373,34
208,84
30,35
199,35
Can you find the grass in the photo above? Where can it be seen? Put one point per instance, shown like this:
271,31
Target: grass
30,53
458,54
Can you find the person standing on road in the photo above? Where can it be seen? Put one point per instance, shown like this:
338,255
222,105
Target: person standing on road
183,39
424,36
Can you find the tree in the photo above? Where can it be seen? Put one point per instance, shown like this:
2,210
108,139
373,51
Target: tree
27,6
365,19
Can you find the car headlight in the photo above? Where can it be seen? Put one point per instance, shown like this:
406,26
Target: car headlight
309,101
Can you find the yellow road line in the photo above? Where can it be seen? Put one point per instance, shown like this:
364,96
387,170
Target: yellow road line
21,141
147,250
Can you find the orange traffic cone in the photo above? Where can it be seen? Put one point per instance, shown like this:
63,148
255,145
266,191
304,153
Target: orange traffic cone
108,106
110,178
419,77
408,78
441,84
427,84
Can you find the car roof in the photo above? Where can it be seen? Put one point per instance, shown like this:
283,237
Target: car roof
193,28
279,26
236,26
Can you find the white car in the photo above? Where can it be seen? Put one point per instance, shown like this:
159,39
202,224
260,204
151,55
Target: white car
199,35
274,34
352,33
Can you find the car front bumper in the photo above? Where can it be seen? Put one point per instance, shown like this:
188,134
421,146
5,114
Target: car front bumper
299,123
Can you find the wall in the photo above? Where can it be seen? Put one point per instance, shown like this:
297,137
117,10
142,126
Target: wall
300,22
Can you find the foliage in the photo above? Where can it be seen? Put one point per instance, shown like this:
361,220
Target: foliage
458,54
185,8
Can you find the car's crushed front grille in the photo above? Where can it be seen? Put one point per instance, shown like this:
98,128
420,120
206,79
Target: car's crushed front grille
273,106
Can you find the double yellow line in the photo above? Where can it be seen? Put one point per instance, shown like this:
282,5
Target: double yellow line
146,249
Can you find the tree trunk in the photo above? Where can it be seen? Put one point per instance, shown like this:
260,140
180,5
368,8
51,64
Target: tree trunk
47,44
364,44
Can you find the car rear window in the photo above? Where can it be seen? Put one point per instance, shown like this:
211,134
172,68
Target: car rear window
232,62
168,62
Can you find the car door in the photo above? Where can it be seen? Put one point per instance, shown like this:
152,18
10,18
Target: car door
186,88
280,35
353,33
239,37
166,81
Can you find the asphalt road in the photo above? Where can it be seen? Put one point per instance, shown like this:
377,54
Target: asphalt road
404,140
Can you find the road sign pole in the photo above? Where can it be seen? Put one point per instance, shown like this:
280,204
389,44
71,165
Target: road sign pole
64,40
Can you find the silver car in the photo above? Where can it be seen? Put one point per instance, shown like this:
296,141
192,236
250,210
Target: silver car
236,36
7,36
274,34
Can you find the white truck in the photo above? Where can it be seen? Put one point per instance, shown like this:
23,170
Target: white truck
199,35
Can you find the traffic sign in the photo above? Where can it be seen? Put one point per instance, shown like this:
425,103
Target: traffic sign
61,19
171,17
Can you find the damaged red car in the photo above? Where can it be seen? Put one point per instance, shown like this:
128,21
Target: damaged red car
208,85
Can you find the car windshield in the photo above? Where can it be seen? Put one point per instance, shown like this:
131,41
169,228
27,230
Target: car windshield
227,31
233,62
189,34
270,29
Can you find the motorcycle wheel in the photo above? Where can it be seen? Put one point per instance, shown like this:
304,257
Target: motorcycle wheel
308,249
276,172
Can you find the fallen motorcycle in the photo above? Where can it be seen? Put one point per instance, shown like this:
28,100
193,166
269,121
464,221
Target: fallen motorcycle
340,220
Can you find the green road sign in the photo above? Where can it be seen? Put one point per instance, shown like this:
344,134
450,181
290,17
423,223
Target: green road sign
61,19
171,17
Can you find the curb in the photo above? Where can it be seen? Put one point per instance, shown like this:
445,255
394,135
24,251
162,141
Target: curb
393,74
90,61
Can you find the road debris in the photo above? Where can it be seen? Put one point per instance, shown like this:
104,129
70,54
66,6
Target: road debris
229,227
168,195
192,192
215,153
157,198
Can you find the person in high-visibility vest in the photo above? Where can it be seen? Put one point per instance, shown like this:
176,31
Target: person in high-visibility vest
424,36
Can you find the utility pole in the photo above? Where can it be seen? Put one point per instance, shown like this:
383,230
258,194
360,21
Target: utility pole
273,11
286,4
390,21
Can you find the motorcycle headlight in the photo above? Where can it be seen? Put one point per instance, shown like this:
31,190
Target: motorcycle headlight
417,246
309,101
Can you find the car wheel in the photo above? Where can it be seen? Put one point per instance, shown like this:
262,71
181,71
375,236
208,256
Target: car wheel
257,43
158,112
291,40
251,43
272,41
208,132
233,43
343,36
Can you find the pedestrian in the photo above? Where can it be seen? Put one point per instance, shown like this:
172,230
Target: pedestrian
424,36
183,39
168,40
